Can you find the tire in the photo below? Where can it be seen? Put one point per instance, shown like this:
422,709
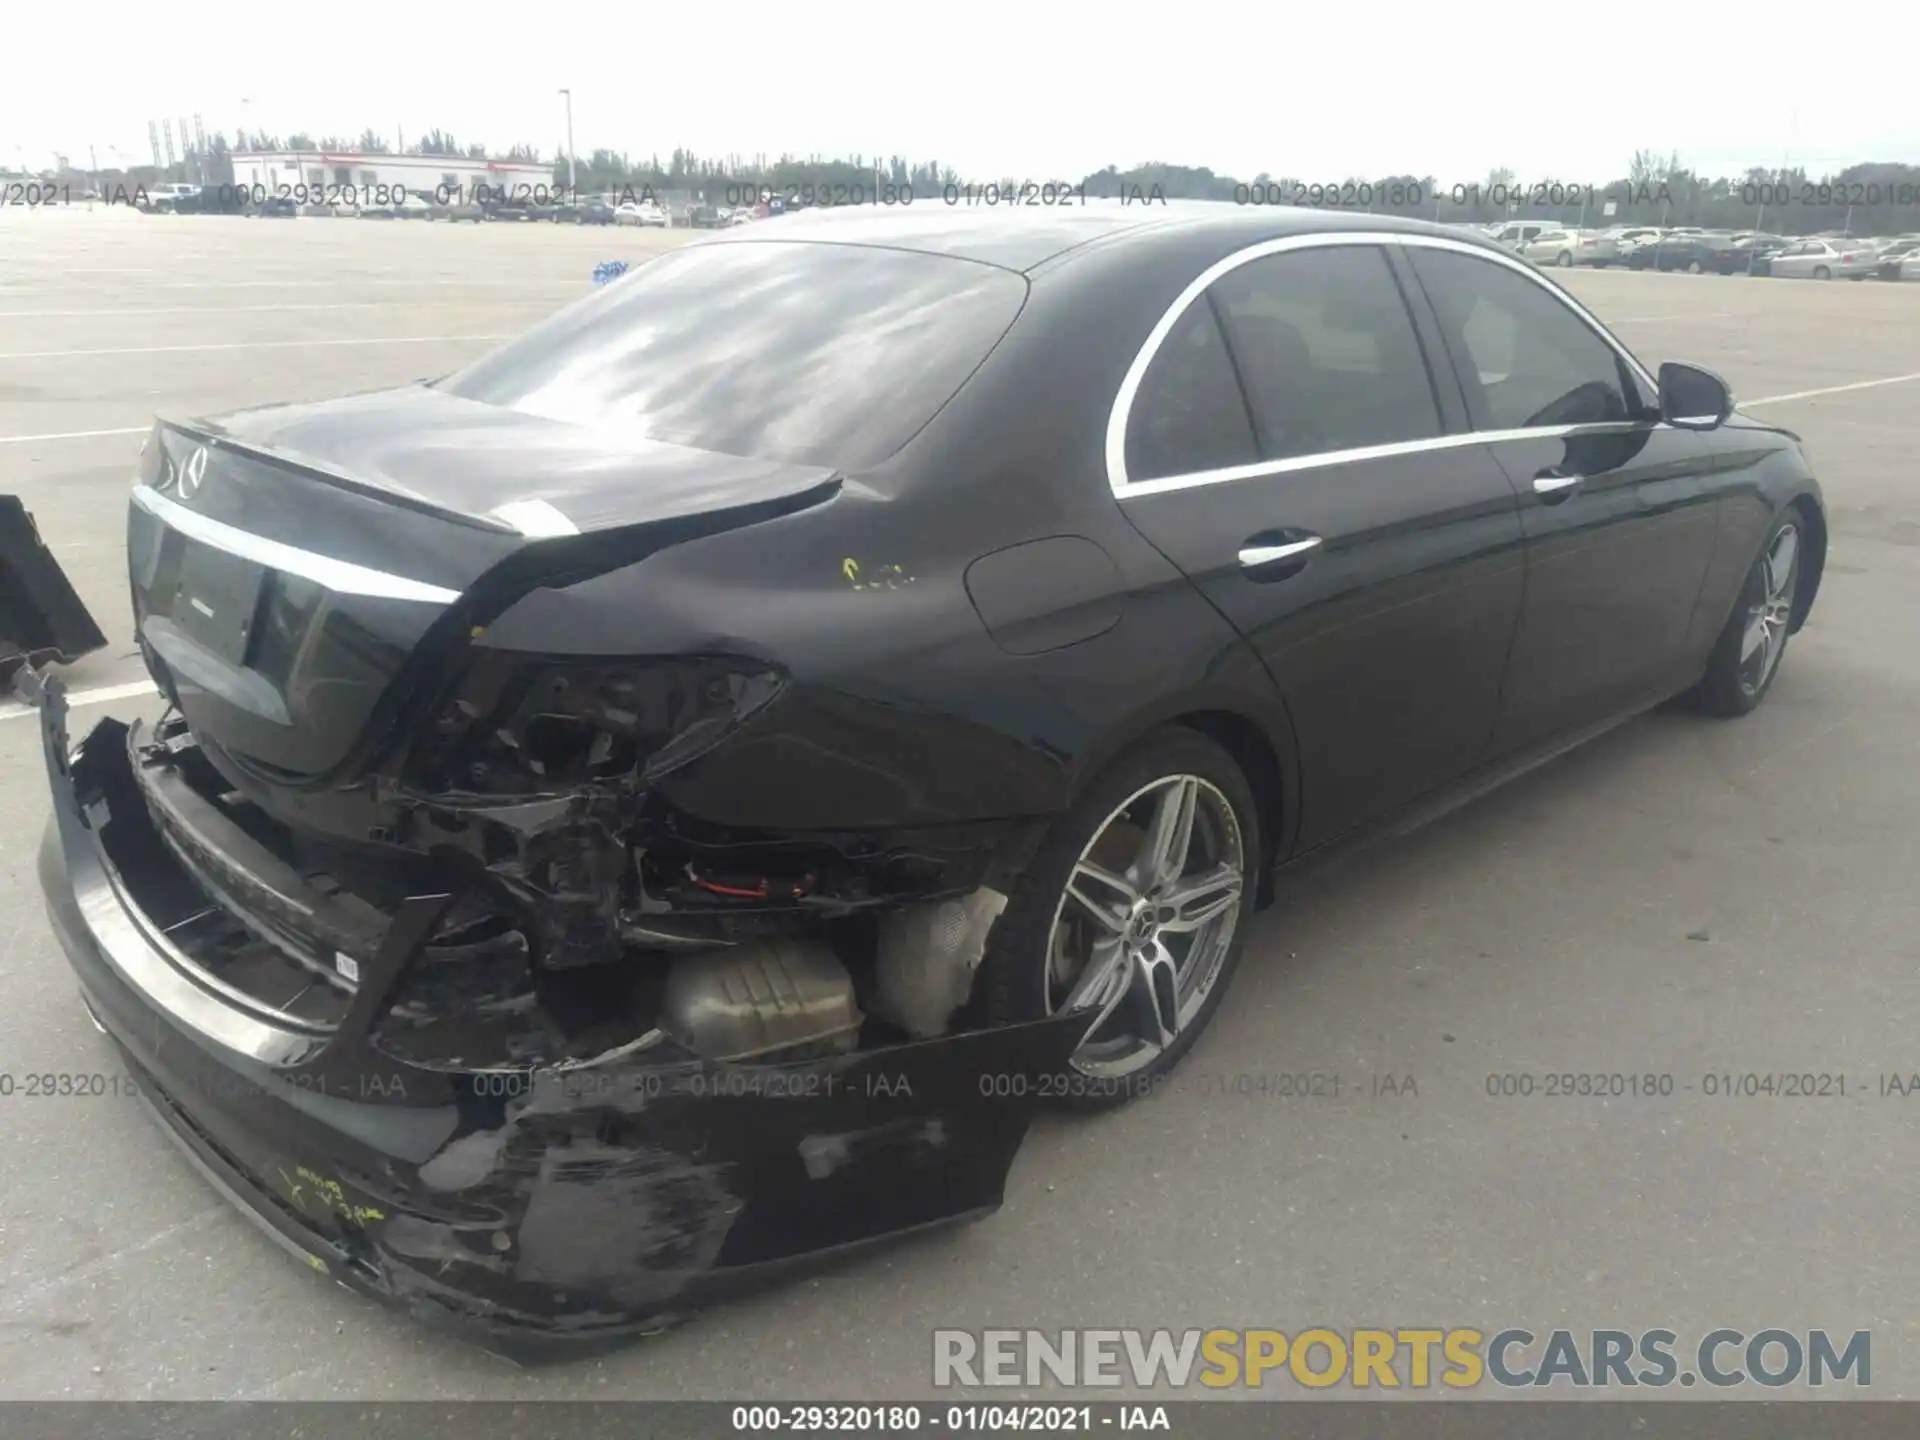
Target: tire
1821,272
1736,680
1693,267
1029,967
1564,260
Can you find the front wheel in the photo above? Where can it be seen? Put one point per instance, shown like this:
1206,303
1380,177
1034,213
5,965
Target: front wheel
1821,272
1564,260
1747,656
1134,911
1693,267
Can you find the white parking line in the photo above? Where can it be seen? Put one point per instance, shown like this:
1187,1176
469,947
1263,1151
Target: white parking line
248,309
85,697
1833,390
1709,315
225,284
72,435
245,345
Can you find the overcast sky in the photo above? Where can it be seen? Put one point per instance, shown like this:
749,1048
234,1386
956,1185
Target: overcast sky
1312,92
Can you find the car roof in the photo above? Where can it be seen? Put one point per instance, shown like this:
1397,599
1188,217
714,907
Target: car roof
1024,237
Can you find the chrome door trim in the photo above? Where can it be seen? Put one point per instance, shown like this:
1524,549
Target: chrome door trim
1370,452
1122,410
1254,556
1554,484
342,577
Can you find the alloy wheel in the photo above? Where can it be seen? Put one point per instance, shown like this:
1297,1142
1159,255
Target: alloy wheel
1146,922
1765,635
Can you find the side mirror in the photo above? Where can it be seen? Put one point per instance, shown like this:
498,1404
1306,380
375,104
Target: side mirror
1692,398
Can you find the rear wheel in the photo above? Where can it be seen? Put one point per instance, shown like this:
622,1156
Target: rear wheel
1693,267
1564,260
1821,272
1747,656
1134,912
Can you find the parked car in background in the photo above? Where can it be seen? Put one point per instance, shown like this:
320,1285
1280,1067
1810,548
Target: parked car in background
275,207
506,207
171,199
1910,266
1668,251
592,210
411,206
1550,247
1516,233
1893,257
379,209
641,212
1752,253
1818,258
1630,238
703,216
343,209
456,207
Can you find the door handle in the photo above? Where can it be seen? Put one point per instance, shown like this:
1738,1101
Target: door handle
1259,556
1554,488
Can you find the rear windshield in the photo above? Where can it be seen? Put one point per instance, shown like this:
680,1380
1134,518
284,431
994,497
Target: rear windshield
819,354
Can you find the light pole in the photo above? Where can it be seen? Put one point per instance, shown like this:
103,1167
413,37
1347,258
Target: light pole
573,179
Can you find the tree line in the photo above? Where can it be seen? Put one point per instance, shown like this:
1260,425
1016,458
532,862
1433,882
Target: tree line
1872,198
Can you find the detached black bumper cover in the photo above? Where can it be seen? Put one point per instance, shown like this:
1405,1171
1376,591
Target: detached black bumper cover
530,1210
41,618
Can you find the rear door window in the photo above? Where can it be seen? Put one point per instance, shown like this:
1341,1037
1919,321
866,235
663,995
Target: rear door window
813,353
1327,352
1188,415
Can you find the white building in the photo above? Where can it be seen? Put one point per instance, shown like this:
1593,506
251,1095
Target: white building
446,176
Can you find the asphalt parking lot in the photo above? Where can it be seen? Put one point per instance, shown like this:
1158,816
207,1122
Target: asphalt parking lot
1682,897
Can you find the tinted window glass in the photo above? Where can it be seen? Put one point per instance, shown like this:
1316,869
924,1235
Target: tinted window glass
1526,359
828,354
1327,352
1188,415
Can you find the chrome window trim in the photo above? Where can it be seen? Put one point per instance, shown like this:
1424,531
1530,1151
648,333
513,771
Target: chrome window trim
340,576
1122,412
1327,458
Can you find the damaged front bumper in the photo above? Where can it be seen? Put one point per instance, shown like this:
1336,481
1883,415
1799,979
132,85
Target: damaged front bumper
533,1209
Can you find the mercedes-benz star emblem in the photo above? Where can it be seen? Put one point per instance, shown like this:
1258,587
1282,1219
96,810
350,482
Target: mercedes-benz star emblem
194,472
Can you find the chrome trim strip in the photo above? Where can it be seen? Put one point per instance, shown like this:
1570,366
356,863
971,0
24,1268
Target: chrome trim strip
1554,484
1122,409
1253,556
341,576
1369,452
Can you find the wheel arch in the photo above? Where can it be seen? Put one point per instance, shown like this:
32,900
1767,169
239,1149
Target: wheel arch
1254,751
1814,515
1258,735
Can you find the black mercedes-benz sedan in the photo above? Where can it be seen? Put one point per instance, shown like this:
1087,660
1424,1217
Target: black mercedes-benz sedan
666,801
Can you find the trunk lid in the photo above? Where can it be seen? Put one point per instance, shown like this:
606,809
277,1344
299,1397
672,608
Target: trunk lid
295,569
